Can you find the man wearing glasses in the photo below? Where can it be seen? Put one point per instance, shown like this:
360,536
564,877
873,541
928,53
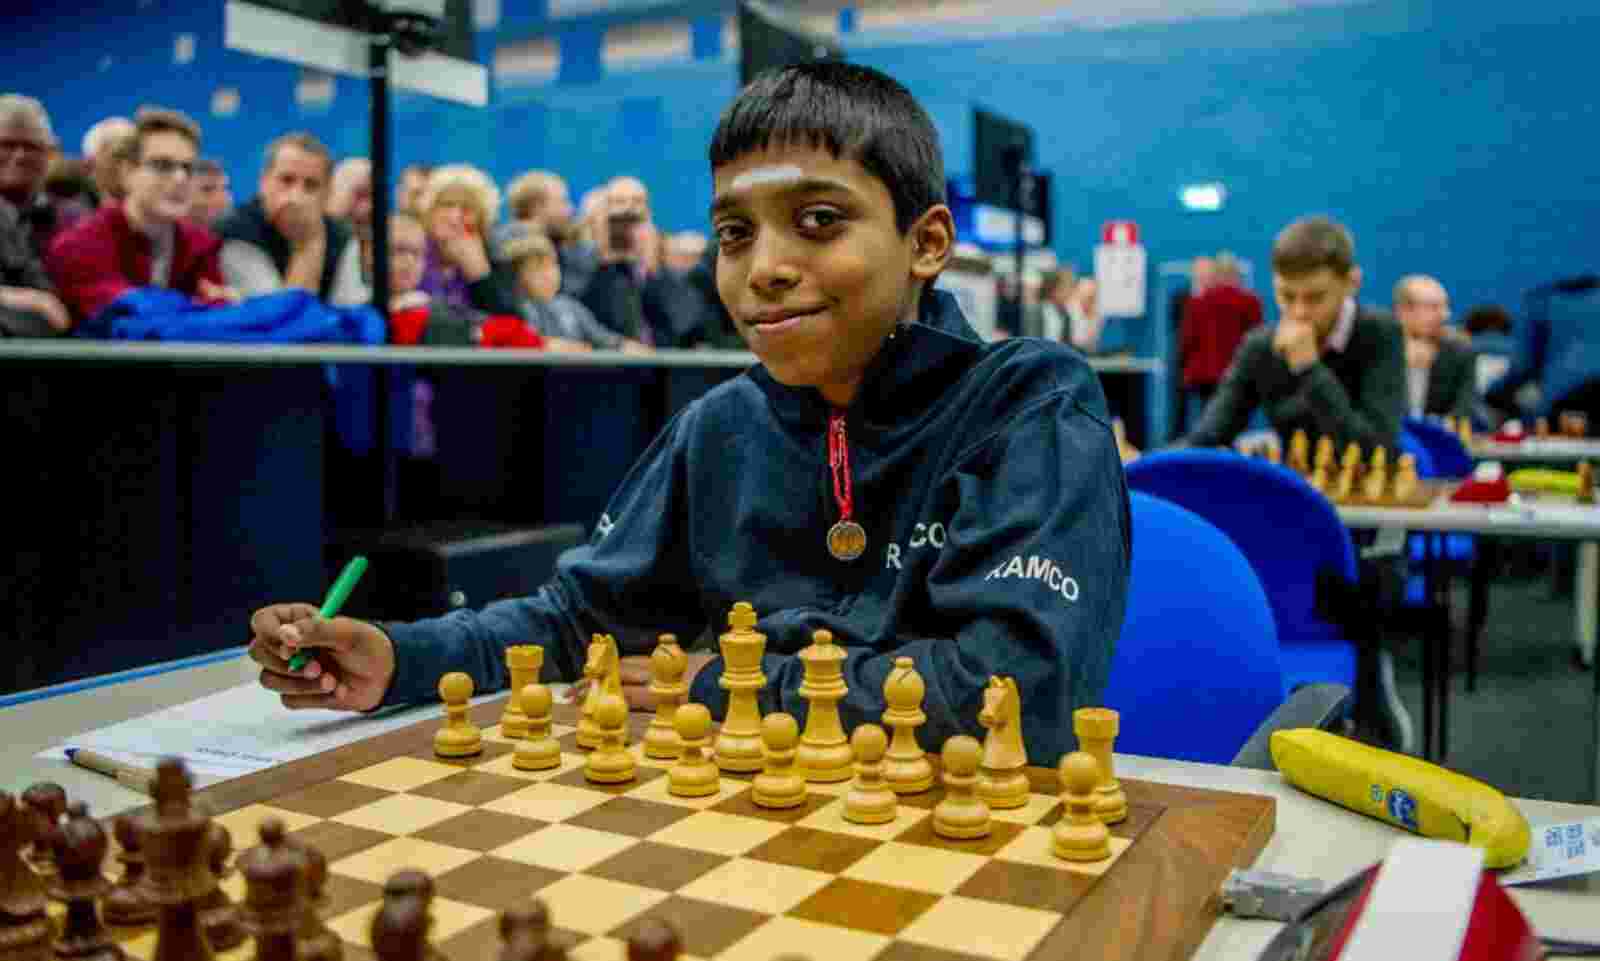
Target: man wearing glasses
145,241
28,305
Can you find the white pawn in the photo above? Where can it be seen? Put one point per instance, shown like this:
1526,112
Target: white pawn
962,814
610,763
779,785
695,774
870,801
537,751
1080,835
459,737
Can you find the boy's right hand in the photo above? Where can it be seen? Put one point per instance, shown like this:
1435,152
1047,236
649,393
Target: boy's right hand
352,661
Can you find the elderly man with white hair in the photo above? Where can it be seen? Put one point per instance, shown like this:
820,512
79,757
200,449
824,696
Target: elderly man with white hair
1441,370
28,304
99,151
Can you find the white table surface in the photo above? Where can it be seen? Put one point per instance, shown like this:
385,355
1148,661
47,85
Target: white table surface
1313,838
1548,450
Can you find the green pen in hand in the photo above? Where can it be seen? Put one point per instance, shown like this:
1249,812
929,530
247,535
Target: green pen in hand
337,595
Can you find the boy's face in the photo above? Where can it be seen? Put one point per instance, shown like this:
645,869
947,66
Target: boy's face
812,267
407,248
541,277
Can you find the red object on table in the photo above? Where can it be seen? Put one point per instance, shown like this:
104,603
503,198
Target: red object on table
1497,931
1473,491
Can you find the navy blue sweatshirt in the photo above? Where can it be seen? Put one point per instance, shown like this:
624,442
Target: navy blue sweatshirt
988,482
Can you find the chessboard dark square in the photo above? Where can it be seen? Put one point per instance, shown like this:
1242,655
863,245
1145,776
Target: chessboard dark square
337,840
1001,833
473,788
864,906
630,816
482,940
660,866
494,883
823,851
1140,816
330,798
344,894
480,830
907,951
491,750
706,929
1027,885
743,804
575,778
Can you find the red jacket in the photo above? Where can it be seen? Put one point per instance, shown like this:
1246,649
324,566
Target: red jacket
102,257
1214,324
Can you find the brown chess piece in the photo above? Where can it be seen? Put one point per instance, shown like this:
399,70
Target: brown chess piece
79,857
525,931
25,928
654,940
1585,483
275,893
47,801
412,885
177,867
315,941
218,915
128,903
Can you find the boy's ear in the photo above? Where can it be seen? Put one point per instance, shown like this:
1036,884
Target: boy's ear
933,240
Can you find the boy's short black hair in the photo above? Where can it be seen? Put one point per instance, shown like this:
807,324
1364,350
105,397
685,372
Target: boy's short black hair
851,111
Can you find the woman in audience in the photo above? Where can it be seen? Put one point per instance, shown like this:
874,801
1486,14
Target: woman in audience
458,209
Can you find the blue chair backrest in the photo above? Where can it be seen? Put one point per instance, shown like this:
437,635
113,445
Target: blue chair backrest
1197,667
1288,531
1411,444
1450,457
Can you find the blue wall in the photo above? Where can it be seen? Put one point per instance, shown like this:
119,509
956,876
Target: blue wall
1456,138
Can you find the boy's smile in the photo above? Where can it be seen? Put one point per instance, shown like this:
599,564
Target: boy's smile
812,266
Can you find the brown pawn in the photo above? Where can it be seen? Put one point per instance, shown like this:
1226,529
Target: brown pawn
524,931
48,803
1585,483
128,903
218,914
177,869
275,893
654,940
413,885
79,856
316,941
25,928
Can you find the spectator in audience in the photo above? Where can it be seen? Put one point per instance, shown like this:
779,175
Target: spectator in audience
458,210
414,316
1216,319
630,293
1557,348
1440,371
540,199
1055,296
408,191
212,198
101,148
350,200
683,250
26,144
28,304
1084,323
145,240
1331,368
281,238
565,323
69,180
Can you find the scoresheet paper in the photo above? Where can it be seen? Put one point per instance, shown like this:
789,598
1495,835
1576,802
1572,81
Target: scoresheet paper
1559,851
243,730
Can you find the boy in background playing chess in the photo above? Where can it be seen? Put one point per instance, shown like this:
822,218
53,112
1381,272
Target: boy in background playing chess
883,473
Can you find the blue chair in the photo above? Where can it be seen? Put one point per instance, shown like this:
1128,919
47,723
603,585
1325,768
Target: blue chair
1197,668
1291,535
1448,456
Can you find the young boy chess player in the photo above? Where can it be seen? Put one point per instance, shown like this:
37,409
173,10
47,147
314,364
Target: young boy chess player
883,473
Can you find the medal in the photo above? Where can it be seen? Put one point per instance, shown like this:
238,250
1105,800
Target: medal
847,540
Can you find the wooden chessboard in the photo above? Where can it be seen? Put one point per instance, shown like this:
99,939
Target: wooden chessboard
1426,493
741,883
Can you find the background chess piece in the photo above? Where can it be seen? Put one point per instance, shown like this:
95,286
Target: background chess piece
906,768
610,763
602,672
218,915
1585,483
275,893
1080,835
1002,782
524,931
537,751
315,941
25,928
523,662
399,930
1097,728
1376,482
668,664
177,867
79,858
47,802
738,744
1541,427
128,903
459,737
869,800
1299,459
412,886
961,814
694,774
824,754
779,785
1406,481
654,940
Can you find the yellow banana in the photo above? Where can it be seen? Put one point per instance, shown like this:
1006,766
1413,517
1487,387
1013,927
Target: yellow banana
1543,480
1405,791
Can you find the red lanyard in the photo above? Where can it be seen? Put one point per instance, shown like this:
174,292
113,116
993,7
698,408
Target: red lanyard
839,461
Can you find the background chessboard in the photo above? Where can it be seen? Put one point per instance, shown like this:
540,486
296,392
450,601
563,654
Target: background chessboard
740,882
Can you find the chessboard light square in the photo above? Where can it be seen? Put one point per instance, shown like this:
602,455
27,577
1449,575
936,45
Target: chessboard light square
639,757
983,928
548,802
599,949
401,814
503,766
449,918
401,773
375,864
565,847
244,824
756,885
718,833
1032,846
1037,807
830,817
594,905
782,936
655,789
916,866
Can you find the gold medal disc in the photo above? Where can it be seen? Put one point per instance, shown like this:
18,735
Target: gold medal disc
847,540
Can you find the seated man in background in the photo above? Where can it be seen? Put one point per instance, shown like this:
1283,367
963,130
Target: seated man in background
350,201
281,238
212,198
1217,316
145,240
1331,368
26,143
28,304
1556,349
565,324
631,292
1440,368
